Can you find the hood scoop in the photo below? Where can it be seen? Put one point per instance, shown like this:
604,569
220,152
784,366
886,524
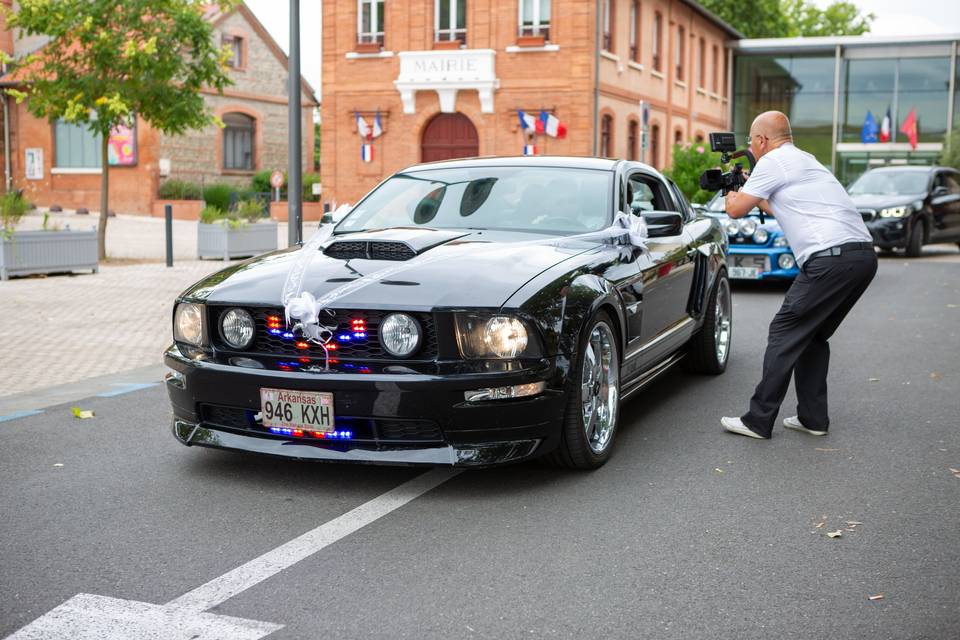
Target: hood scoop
389,244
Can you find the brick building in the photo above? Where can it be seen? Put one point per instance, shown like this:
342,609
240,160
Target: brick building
64,159
448,78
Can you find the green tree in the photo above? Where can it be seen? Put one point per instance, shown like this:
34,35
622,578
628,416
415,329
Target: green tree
950,156
689,161
108,61
786,18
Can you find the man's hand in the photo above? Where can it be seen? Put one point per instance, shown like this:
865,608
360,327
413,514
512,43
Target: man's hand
737,204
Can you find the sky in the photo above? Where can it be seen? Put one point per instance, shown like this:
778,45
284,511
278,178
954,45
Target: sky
893,17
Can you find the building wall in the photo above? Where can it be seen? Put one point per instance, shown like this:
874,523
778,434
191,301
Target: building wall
562,81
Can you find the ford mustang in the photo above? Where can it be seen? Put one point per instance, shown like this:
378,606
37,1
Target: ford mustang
468,312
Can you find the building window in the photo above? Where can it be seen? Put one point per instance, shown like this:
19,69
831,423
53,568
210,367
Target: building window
702,71
238,132
76,147
608,24
235,45
632,130
451,20
535,18
370,21
715,67
678,137
655,146
678,56
635,31
657,57
725,81
606,139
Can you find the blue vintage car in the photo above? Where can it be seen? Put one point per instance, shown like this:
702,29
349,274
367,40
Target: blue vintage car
757,251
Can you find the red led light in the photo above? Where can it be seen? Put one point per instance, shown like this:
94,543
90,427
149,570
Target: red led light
318,434
305,360
303,345
298,433
333,360
331,346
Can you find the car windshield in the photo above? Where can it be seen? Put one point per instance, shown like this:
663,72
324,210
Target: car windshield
538,199
716,204
890,183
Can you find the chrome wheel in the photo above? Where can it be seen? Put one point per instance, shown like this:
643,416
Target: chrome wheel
723,321
600,388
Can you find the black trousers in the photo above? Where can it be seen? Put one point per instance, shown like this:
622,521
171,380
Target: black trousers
815,305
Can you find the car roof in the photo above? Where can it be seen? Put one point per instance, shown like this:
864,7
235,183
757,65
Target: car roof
907,167
571,162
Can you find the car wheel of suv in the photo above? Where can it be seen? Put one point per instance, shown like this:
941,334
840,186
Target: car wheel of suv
709,349
593,399
915,239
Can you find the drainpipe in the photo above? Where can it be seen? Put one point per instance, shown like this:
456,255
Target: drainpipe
7,176
596,80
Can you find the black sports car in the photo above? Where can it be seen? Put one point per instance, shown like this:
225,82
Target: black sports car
468,312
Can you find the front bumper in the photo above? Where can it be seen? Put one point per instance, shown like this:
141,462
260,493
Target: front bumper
889,233
771,253
395,418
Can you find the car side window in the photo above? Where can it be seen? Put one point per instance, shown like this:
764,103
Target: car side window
646,193
952,182
682,205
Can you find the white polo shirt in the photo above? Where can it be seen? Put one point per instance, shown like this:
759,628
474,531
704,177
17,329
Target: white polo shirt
813,209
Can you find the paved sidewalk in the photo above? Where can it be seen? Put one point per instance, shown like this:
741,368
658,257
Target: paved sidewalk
64,328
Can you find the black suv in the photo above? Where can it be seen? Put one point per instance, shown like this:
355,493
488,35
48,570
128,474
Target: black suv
907,207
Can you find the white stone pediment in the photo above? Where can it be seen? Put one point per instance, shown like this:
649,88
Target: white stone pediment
447,72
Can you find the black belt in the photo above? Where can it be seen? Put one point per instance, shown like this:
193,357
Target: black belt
840,249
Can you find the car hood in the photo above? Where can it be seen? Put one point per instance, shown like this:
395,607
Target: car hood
451,268
882,201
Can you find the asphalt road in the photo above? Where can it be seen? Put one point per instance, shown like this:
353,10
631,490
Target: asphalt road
688,532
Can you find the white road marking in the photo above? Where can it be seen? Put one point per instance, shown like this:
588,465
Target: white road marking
87,616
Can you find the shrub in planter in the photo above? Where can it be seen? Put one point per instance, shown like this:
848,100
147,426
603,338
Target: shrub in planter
13,206
180,190
231,234
310,179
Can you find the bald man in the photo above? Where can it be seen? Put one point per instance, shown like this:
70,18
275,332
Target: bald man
834,251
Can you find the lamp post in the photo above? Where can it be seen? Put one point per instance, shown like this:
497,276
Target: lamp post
294,115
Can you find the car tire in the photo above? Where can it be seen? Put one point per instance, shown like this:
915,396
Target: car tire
915,239
709,349
594,379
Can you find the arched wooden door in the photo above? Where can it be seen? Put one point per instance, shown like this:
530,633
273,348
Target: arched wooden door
448,136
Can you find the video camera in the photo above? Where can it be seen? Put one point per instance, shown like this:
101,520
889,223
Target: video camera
716,179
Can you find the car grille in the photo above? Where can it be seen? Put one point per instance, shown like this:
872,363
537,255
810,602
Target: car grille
364,429
349,250
867,214
367,348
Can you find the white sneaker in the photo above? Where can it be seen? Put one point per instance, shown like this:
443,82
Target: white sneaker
793,422
735,425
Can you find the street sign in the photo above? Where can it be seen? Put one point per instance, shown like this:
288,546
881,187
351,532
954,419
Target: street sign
276,179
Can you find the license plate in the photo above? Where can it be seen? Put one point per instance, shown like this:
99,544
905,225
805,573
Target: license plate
747,266
306,410
745,273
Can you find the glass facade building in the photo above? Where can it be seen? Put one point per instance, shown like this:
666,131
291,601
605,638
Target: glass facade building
827,86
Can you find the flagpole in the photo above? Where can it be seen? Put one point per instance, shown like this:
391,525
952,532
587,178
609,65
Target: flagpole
294,145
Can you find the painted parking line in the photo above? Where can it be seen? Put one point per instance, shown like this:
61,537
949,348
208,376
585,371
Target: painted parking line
126,387
101,618
20,414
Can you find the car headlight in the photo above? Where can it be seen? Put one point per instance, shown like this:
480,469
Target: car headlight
400,334
497,336
732,227
760,236
237,328
894,212
747,227
188,323
781,241
786,261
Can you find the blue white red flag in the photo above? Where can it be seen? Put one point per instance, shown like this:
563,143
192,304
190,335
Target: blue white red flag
529,149
377,126
366,152
362,127
870,128
885,127
551,125
527,122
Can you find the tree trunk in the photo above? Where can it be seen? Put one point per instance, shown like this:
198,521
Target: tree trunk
104,198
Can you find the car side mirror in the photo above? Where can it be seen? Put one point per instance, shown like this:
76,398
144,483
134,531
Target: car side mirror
662,224
939,191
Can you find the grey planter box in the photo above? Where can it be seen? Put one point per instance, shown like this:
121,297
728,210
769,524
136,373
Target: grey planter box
219,241
47,252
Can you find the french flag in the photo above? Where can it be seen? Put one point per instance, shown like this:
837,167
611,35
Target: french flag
885,127
529,149
527,121
366,152
362,127
551,125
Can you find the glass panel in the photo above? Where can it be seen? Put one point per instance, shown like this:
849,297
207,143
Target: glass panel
526,8
365,26
866,85
461,14
544,12
444,14
924,85
76,147
380,22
